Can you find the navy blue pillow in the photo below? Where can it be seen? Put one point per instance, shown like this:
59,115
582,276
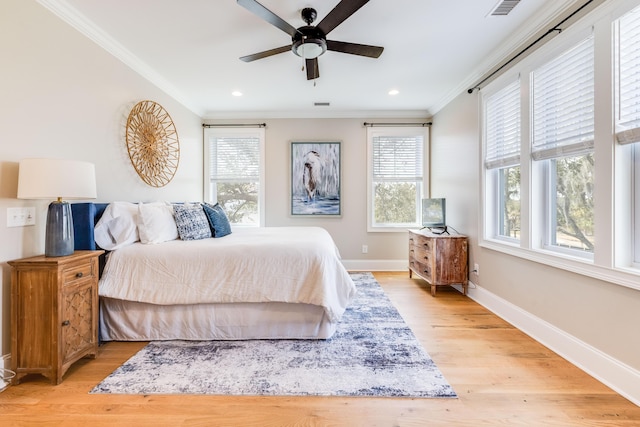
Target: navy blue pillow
218,219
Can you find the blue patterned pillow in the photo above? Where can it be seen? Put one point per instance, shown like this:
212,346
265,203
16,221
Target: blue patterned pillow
191,221
218,219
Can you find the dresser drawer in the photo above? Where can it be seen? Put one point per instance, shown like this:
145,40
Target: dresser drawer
420,242
420,254
423,270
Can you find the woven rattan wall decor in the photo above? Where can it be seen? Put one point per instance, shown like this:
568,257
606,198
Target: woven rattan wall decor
152,143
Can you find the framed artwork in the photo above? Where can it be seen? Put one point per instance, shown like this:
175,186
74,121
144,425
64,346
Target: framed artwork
315,178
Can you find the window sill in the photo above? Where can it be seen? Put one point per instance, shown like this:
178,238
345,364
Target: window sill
628,277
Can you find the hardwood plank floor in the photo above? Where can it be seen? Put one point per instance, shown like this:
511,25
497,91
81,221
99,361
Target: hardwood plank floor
502,377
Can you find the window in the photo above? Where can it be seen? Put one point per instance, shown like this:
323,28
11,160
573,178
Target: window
627,123
579,165
234,173
562,121
396,159
502,160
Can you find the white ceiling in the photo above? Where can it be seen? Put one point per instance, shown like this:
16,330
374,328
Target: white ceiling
433,51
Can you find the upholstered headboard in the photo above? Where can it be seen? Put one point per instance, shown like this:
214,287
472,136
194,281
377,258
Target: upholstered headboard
85,217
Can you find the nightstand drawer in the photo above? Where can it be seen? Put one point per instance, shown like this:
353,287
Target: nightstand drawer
79,271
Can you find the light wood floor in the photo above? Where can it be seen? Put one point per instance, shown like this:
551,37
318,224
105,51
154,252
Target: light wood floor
502,377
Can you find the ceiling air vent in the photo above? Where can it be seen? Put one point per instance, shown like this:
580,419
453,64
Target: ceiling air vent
321,104
504,7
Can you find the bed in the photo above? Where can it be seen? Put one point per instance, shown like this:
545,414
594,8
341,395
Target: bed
253,283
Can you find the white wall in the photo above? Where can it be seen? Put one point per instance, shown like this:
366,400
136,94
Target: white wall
62,96
585,314
350,230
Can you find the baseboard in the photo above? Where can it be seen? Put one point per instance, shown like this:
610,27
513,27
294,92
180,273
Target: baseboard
620,377
376,264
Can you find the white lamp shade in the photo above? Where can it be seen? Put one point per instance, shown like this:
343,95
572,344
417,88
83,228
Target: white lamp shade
56,178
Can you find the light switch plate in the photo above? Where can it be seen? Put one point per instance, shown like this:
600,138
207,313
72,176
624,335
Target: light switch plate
19,217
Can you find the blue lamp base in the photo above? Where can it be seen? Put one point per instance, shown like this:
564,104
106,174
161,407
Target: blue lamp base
59,233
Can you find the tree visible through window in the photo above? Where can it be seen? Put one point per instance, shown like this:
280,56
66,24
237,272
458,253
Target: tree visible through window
396,168
563,139
233,172
574,202
502,158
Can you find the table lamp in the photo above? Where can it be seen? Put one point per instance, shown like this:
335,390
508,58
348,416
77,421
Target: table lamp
57,179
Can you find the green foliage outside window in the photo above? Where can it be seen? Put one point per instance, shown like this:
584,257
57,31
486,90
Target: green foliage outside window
239,201
574,202
510,202
395,203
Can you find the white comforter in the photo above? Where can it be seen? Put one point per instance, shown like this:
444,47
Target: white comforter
281,264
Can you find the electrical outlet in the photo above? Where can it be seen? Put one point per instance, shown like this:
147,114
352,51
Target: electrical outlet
476,269
19,217
365,249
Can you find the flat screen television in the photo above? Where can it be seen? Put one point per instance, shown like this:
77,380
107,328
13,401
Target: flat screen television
434,213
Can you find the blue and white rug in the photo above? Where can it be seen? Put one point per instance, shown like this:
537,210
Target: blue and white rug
372,353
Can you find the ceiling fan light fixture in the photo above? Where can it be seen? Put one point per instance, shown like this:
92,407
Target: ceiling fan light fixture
309,48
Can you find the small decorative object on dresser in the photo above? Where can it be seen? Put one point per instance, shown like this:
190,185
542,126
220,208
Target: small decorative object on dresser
439,259
54,313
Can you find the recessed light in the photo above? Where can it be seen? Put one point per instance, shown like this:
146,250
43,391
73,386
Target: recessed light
236,93
394,92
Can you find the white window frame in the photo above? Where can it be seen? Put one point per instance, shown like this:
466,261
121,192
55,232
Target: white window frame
396,131
627,166
497,157
614,216
232,132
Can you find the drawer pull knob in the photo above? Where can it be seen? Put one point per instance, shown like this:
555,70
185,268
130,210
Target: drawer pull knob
66,323
79,275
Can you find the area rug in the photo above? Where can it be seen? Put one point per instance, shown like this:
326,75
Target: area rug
372,353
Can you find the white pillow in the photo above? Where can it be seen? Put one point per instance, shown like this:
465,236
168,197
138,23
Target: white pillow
156,223
117,227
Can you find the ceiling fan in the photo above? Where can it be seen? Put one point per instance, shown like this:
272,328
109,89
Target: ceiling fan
309,42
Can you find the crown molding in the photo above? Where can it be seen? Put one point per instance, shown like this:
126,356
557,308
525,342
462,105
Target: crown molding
63,10
318,114
534,27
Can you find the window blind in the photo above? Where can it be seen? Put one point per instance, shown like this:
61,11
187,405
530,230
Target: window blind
502,127
563,104
234,158
628,77
397,157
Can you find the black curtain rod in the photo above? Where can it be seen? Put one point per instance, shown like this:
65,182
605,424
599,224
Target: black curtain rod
235,125
398,124
536,41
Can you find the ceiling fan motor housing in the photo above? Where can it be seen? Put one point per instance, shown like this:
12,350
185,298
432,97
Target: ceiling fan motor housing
309,42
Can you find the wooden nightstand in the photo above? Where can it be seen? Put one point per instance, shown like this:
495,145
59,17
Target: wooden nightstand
54,313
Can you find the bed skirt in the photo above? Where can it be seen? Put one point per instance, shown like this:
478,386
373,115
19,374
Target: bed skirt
135,321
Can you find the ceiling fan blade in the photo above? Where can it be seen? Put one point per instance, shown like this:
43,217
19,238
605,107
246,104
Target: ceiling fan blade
266,53
355,49
264,13
312,68
339,14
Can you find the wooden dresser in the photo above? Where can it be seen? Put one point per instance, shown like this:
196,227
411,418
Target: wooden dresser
54,313
440,259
